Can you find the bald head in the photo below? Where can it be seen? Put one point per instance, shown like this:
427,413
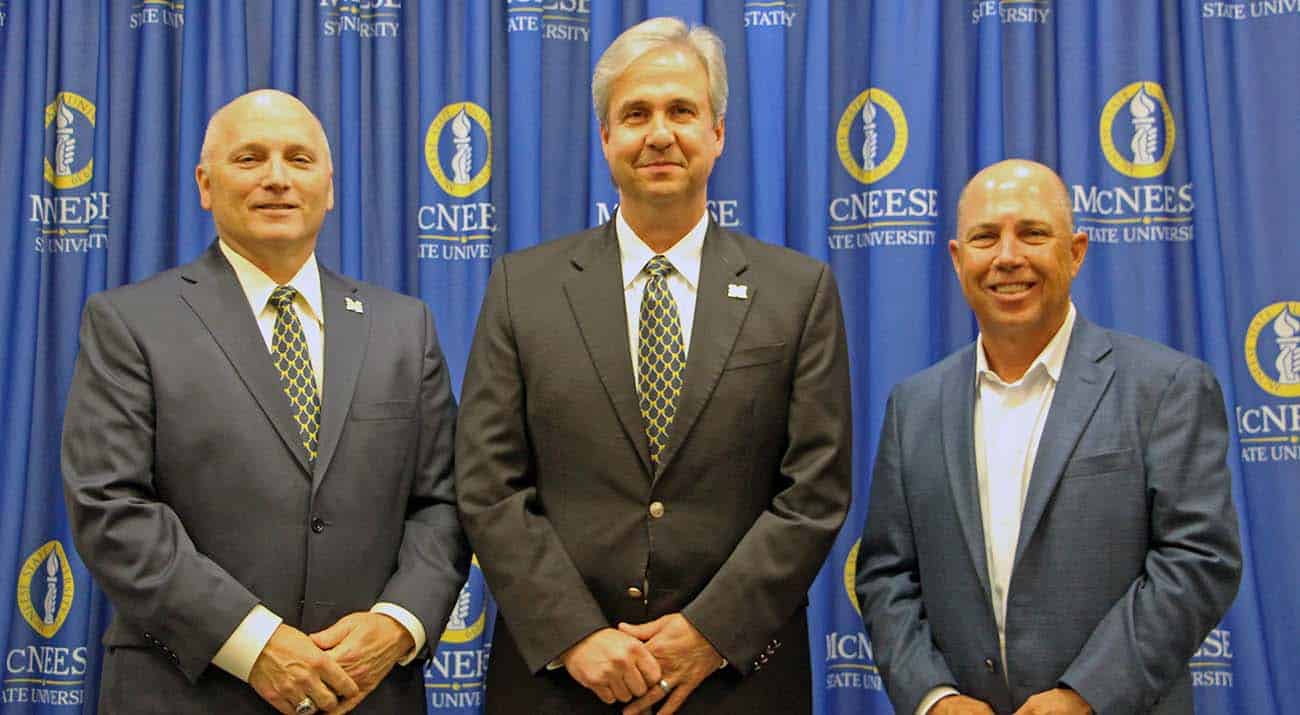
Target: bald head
258,105
1035,182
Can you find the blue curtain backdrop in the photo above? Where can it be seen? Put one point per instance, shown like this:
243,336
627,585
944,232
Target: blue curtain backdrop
462,129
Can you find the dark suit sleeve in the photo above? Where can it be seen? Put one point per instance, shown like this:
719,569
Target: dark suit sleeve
433,560
133,543
1193,567
889,582
543,598
761,584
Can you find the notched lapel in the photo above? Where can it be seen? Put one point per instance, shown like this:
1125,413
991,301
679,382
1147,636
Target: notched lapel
958,433
347,334
718,319
595,293
212,291
1086,374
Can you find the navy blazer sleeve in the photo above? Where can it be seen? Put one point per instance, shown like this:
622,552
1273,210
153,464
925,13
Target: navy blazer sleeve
1193,567
889,582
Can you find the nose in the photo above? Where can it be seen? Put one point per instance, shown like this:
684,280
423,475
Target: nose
1008,250
660,135
276,176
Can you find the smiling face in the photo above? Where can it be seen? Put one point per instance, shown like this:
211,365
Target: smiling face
1015,254
660,137
266,176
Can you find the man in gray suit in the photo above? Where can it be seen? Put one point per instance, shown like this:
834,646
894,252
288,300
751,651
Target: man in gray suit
653,450
257,456
1051,527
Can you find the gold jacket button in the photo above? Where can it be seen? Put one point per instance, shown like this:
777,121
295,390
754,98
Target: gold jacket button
656,509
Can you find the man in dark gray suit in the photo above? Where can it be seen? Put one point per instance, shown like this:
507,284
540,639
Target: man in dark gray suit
1050,527
653,450
257,449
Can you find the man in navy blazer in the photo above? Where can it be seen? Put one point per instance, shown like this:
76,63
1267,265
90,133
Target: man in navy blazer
1051,527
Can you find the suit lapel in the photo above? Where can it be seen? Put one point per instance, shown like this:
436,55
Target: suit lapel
1084,377
347,334
212,291
958,430
595,293
717,323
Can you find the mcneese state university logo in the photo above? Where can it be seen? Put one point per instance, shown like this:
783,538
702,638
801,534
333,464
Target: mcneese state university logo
724,212
564,20
366,18
1270,432
455,675
458,152
1137,135
1241,10
871,140
1011,12
764,14
1212,664
48,674
68,217
167,13
849,660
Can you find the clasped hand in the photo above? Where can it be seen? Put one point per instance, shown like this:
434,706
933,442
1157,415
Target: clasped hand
629,663
337,667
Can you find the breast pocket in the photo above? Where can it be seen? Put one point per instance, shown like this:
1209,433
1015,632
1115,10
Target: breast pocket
751,357
1099,463
383,410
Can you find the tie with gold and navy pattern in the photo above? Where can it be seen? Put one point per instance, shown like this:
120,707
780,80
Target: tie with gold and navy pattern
293,363
661,356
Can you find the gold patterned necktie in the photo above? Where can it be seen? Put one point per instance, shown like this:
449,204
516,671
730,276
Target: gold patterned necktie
293,363
661,356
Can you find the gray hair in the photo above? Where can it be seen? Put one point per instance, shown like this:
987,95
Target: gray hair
654,34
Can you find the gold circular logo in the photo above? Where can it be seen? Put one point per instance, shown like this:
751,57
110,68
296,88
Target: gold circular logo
475,628
1257,324
1108,113
851,575
449,113
849,158
87,110
47,565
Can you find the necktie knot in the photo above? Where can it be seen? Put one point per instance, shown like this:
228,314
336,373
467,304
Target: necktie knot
282,297
658,267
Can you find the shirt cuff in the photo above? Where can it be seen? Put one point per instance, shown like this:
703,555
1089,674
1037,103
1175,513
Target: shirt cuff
240,651
409,622
934,696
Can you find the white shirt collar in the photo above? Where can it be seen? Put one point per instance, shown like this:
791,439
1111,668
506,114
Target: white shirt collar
1051,359
685,255
258,286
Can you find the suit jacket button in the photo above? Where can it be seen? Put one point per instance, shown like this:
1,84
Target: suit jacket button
634,592
656,509
317,524
990,665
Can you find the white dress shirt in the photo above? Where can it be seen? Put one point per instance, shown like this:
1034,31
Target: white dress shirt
1009,420
240,651
683,282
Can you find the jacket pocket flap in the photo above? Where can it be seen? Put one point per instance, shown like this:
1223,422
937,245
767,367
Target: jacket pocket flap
385,410
760,355
1103,462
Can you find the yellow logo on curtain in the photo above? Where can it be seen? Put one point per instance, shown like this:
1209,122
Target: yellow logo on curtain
469,616
71,163
1141,110
1273,349
864,159
47,573
455,171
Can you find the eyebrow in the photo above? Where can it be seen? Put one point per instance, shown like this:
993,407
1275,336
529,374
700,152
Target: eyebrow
1021,225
